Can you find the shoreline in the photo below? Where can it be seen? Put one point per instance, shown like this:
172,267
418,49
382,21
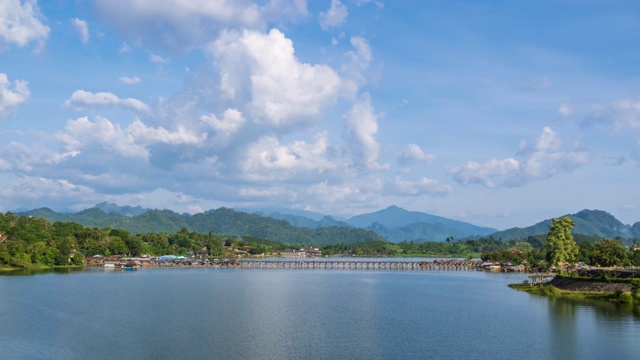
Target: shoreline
581,289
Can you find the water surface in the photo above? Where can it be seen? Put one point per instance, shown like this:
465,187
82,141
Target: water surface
300,314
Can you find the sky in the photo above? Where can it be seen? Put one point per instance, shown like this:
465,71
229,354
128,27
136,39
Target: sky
497,113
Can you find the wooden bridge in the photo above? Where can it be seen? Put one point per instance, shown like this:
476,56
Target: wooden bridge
358,264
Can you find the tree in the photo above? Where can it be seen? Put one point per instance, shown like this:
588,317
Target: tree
609,253
560,244
117,246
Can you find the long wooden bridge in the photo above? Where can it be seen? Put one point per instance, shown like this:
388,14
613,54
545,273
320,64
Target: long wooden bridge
358,264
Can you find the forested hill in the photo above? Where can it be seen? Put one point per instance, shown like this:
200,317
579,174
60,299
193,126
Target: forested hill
220,222
595,223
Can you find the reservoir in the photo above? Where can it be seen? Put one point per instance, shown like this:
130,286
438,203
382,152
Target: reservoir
207,313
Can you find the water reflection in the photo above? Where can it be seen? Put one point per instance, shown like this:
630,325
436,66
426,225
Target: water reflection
576,325
29,272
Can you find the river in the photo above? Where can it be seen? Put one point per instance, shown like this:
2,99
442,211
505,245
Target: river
207,313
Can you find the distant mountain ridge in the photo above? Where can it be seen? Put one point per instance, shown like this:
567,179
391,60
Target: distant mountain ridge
393,223
222,221
122,210
596,223
398,224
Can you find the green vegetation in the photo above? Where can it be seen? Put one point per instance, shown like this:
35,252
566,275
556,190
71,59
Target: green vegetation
32,242
221,221
560,243
552,291
609,253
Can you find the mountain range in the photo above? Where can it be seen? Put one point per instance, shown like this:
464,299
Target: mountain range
596,223
303,227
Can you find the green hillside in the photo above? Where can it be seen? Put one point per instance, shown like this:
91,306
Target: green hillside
592,223
219,222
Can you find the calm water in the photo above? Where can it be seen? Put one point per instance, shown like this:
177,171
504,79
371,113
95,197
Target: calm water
301,314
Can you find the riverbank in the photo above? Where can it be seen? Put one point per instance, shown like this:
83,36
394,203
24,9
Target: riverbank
581,288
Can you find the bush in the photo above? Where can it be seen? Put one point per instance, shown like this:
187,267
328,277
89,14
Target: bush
635,288
625,298
549,290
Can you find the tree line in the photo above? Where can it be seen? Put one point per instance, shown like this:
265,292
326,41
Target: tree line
561,249
31,242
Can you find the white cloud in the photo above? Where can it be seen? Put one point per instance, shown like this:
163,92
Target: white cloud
335,16
143,134
135,141
401,187
361,123
82,28
542,158
268,193
618,115
81,134
20,23
565,110
359,60
157,59
283,91
178,25
43,190
485,174
81,99
130,80
12,96
414,154
268,159
24,159
225,127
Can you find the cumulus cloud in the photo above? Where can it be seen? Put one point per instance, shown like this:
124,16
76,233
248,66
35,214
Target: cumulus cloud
268,159
474,172
283,91
21,23
401,187
178,25
538,159
361,123
335,16
544,158
414,154
134,141
130,80
224,127
11,96
81,134
235,130
81,99
82,28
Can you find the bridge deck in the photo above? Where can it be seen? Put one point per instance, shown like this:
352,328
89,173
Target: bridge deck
359,264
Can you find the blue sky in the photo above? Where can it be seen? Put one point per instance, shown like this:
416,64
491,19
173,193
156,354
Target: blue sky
499,113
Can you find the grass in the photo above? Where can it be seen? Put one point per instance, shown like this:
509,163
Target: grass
552,291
